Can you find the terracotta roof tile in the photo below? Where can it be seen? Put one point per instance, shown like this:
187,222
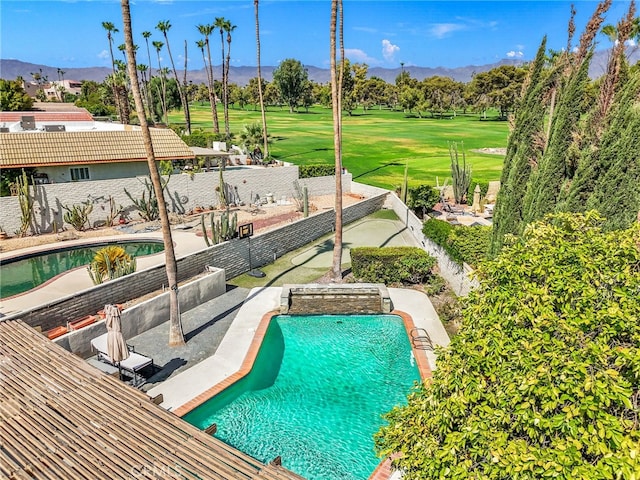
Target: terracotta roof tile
33,149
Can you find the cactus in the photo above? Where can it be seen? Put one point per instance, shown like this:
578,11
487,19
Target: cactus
113,212
204,230
461,176
404,189
78,215
111,262
221,230
147,205
26,203
305,200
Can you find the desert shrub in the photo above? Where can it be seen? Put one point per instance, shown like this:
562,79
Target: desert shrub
391,265
309,171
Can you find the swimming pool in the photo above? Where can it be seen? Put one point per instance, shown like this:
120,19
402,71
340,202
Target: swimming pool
24,273
316,393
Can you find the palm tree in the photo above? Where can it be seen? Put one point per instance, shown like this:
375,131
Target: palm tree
163,94
207,30
111,29
164,27
176,336
61,88
147,35
228,28
142,68
336,92
260,95
221,24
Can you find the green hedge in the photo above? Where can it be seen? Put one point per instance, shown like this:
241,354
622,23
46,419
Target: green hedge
320,170
462,243
391,265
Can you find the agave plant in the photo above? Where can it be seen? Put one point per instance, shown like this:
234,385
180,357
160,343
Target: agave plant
111,262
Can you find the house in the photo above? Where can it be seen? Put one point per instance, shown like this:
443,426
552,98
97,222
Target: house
69,146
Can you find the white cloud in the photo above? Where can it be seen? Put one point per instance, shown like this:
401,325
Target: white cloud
389,50
358,56
103,54
631,42
514,54
441,30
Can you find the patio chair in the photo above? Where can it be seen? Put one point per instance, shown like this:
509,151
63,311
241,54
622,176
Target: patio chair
132,364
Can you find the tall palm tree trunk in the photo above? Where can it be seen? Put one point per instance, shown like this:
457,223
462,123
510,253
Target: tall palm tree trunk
260,94
212,93
176,336
336,91
181,93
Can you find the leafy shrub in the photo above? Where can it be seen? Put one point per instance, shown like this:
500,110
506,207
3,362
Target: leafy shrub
543,378
471,244
391,265
462,243
423,197
437,230
308,171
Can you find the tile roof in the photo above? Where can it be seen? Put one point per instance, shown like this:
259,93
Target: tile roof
80,115
34,149
62,418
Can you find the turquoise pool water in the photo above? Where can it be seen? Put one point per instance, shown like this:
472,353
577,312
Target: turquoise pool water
316,394
22,274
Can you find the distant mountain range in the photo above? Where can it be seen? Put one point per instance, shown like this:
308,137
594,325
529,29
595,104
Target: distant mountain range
11,69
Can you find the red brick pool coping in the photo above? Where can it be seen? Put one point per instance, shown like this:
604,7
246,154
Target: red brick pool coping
383,470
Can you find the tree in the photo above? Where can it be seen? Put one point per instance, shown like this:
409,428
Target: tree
176,337
206,31
164,26
13,98
501,86
524,149
336,107
263,115
290,77
222,24
149,96
111,29
162,89
543,378
228,28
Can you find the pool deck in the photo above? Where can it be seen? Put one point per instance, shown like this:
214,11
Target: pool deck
185,390
185,243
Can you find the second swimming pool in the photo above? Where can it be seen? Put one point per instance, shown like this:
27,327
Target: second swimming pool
25,273
316,394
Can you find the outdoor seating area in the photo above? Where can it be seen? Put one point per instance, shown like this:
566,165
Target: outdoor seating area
132,366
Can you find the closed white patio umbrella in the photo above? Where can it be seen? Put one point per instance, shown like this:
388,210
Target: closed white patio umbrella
116,346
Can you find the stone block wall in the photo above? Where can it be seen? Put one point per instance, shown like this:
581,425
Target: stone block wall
183,193
232,257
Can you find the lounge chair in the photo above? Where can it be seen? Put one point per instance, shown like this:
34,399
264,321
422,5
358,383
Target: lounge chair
133,364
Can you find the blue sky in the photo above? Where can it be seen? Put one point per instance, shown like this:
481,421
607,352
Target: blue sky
69,33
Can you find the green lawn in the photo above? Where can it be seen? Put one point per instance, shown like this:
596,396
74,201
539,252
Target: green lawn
376,145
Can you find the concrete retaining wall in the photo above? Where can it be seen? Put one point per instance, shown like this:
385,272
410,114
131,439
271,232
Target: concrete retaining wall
183,193
148,314
232,256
